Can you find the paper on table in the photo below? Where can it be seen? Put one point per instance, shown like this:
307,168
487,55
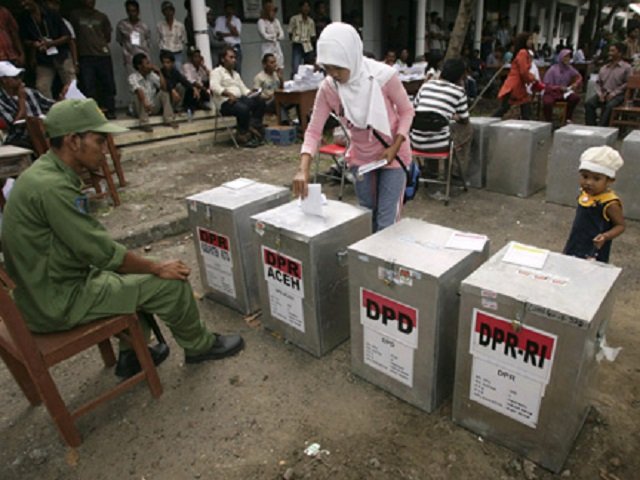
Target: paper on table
312,204
74,92
238,183
526,255
467,241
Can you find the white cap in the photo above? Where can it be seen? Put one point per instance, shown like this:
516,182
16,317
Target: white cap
604,160
8,69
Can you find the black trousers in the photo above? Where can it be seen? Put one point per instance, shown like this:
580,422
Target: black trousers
97,82
247,110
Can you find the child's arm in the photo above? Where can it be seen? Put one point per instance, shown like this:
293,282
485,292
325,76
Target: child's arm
614,210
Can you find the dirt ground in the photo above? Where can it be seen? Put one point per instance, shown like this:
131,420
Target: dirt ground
252,416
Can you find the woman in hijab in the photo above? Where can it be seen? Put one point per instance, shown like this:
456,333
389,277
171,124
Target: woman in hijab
367,95
514,90
561,79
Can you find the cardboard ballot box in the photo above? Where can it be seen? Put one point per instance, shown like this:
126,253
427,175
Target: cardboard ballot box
569,142
220,221
531,323
476,175
403,287
518,151
302,271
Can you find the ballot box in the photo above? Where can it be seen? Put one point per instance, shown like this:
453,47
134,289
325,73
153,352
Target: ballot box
626,184
302,271
518,151
569,142
531,323
476,175
220,222
403,288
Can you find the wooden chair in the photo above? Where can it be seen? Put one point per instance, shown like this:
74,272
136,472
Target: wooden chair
628,114
37,134
29,356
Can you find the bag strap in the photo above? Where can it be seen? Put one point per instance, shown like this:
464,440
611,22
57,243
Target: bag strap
386,145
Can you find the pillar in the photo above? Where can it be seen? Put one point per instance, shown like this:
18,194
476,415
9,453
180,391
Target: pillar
479,23
199,16
552,19
542,13
421,26
521,8
576,28
335,8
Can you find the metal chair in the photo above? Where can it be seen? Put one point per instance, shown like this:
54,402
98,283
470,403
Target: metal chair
229,130
29,357
337,153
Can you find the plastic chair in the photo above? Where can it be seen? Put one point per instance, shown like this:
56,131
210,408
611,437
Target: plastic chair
29,356
337,153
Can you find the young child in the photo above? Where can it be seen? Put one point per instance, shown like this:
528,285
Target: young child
599,217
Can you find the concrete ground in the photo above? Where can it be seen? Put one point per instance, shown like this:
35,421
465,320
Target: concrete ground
252,416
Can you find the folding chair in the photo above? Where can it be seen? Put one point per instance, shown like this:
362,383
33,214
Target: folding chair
449,157
29,357
229,130
337,153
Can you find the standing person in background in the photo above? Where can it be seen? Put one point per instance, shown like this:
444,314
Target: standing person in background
10,45
172,36
96,70
503,35
133,35
302,30
320,17
436,35
44,32
215,44
367,95
73,47
271,32
514,89
229,28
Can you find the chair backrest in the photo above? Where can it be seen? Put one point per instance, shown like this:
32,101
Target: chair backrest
429,121
37,134
16,326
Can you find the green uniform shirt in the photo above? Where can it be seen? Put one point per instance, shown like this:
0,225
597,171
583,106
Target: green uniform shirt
54,250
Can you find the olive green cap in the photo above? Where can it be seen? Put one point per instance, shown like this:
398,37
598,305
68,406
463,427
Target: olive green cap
78,116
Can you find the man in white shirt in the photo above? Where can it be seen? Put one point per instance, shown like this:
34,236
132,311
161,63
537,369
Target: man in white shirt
150,95
229,28
172,36
232,98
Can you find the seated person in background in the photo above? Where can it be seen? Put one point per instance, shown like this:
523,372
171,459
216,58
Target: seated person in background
403,61
578,56
197,74
232,99
178,86
268,81
610,87
18,102
559,80
434,64
150,95
390,58
445,96
496,58
69,271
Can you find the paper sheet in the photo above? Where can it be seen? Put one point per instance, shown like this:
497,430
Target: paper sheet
74,92
370,167
312,204
467,241
238,183
526,255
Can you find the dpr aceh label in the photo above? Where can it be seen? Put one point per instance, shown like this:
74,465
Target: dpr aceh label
285,287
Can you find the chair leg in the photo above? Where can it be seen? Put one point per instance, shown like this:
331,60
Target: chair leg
144,357
233,137
58,410
115,158
106,351
343,170
22,378
106,171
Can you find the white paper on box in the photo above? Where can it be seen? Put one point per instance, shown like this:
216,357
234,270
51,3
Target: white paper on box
238,183
529,351
388,356
525,255
506,391
389,317
285,286
216,255
581,131
467,241
312,203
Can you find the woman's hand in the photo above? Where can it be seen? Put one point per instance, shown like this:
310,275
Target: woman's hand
301,178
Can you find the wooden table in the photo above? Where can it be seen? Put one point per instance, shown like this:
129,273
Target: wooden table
412,86
13,161
303,100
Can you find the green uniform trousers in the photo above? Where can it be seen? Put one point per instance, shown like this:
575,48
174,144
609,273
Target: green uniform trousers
171,300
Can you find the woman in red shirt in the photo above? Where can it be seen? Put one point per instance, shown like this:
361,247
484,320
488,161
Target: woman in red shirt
514,89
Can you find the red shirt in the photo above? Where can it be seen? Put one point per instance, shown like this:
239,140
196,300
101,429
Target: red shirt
519,76
8,25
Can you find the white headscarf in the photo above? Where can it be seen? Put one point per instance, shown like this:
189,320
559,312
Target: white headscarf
340,45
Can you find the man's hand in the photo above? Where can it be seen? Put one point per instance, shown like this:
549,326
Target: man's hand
175,96
231,97
172,270
602,97
148,107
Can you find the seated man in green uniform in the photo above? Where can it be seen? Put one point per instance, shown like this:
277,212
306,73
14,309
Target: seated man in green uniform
69,271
